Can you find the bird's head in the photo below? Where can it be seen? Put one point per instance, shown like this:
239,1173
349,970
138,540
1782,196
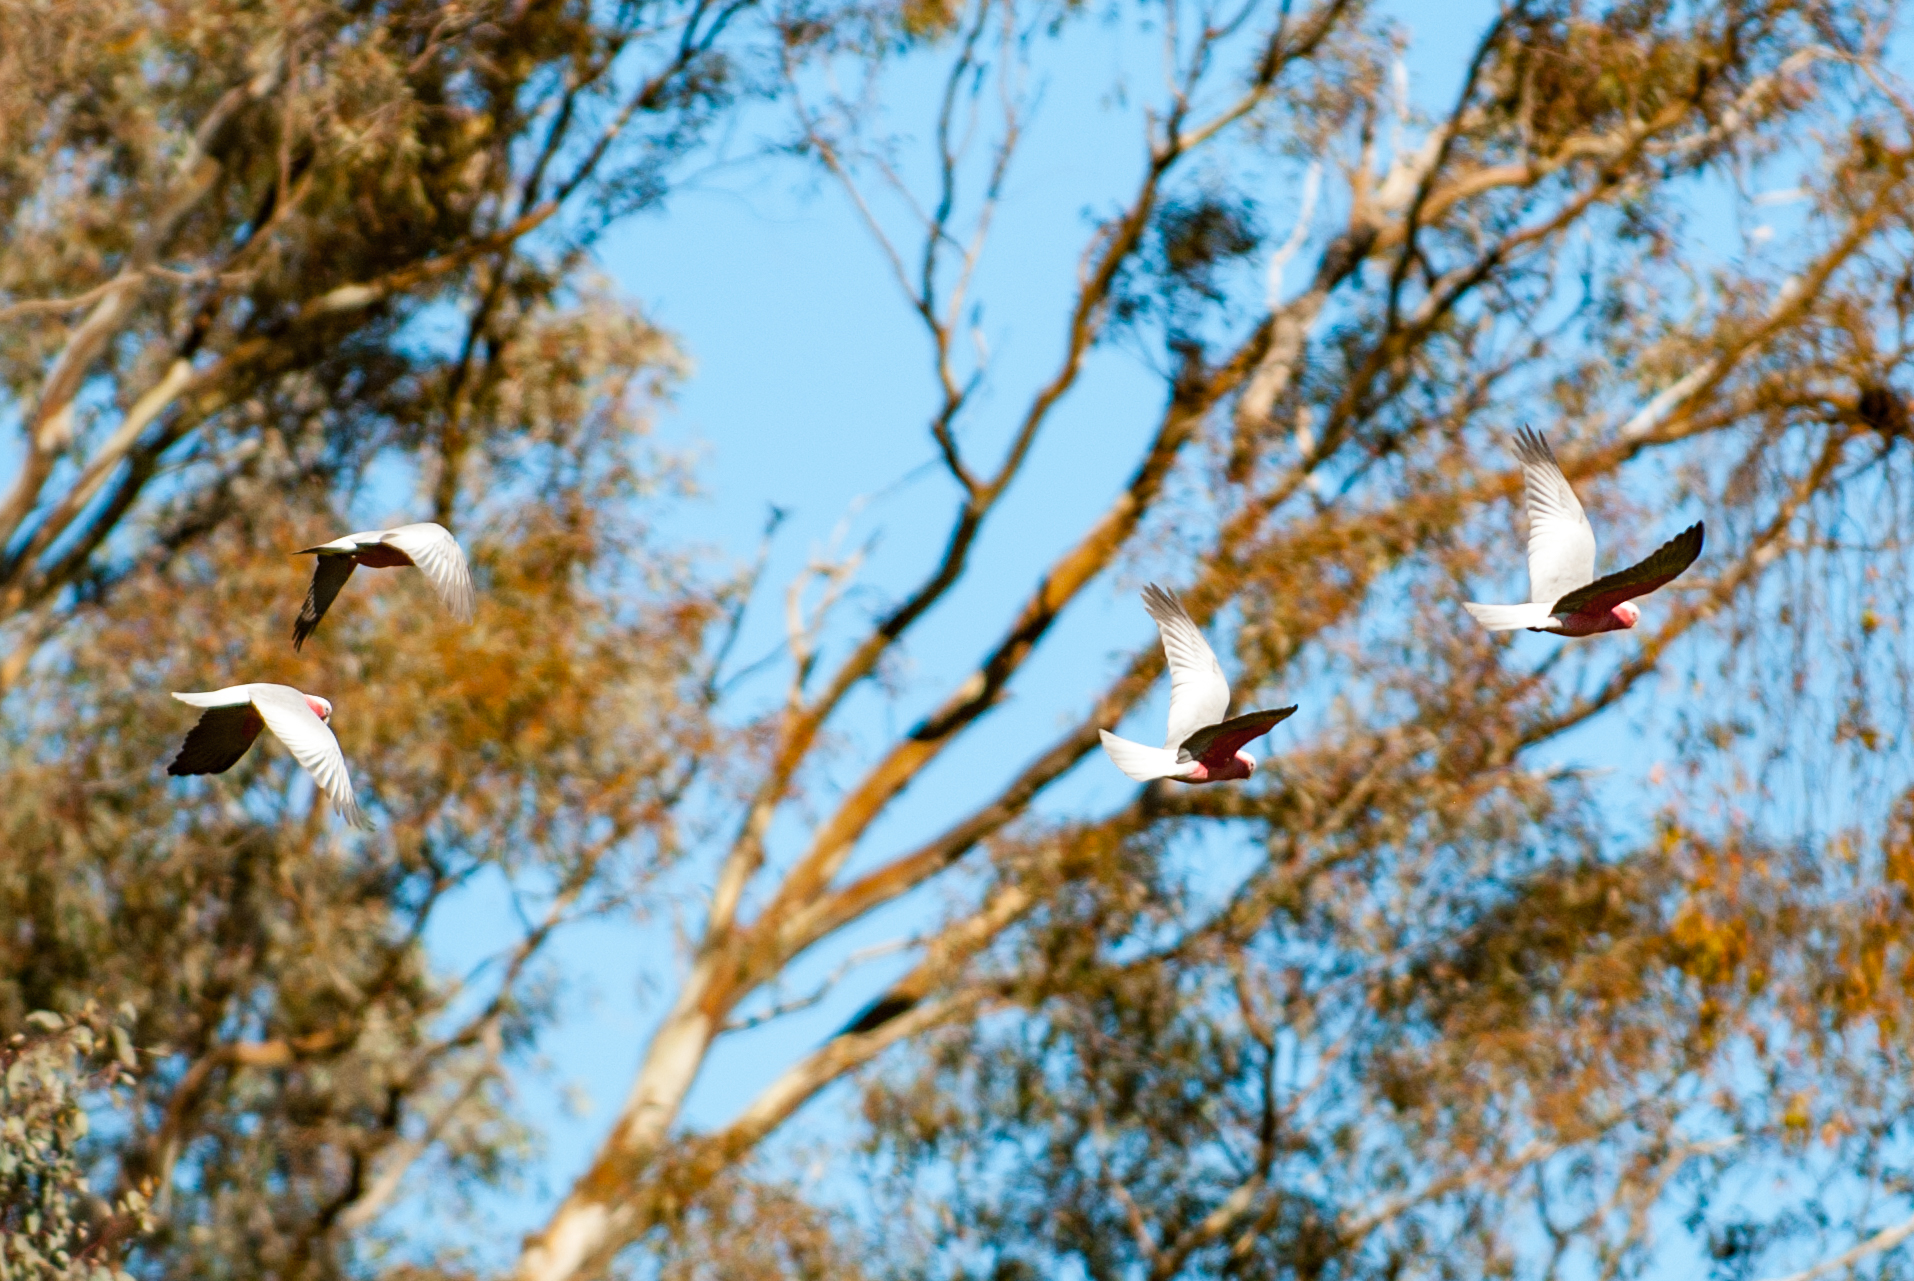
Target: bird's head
1628,613
320,707
1249,762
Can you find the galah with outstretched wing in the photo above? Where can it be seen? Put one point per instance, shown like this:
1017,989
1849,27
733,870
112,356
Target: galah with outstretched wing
1202,747
1565,597
430,547
235,715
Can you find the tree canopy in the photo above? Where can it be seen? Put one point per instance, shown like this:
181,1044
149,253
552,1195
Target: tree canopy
1417,1000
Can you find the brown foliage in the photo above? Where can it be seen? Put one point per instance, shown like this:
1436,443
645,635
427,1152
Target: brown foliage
1453,1010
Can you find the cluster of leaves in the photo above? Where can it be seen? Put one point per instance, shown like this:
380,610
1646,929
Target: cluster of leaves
1184,277
53,1227
228,229
305,1055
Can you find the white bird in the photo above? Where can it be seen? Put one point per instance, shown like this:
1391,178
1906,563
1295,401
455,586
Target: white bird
235,715
1565,597
430,547
1202,747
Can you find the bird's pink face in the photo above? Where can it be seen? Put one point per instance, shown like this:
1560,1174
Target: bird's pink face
1628,613
1249,762
320,707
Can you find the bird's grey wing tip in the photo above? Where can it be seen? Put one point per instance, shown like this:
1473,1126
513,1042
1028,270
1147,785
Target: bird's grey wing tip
1157,603
1687,543
304,626
1531,446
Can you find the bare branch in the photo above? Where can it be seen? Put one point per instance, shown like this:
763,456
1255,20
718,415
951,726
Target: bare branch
1885,1239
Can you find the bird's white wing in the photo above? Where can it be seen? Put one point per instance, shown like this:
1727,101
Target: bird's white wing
438,555
1561,542
1199,693
294,723
231,696
346,544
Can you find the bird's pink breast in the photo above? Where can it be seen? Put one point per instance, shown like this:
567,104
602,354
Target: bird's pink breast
1613,620
1205,771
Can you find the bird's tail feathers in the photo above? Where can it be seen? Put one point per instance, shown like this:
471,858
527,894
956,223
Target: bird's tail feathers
1507,618
1139,762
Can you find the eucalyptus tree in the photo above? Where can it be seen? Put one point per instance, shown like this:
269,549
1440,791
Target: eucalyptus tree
1464,1013
261,263
251,243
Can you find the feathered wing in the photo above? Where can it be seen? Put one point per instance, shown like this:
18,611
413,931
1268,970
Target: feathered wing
231,696
294,723
439,557
1199,693
1139,762
1662,567
1221,741
345,544
1561,541
215,744
328,576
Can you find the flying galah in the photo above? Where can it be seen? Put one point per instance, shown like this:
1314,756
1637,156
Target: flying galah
235,715
428,546
1565,597
1202,747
